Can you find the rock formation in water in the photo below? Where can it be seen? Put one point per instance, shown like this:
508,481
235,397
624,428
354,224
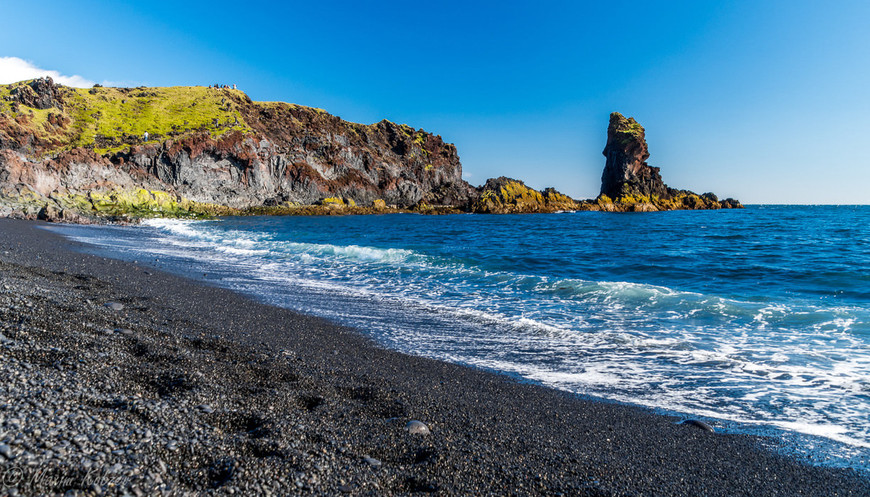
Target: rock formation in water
626,171
510,196
83,154
628,183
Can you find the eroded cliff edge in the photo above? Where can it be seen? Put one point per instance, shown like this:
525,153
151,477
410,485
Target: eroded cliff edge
82,155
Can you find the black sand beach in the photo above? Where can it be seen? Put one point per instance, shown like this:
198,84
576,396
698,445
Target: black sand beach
188,389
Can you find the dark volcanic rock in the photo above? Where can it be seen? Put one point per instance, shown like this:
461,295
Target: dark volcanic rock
510,196
40,93
626,171
302,156
291,155
628,183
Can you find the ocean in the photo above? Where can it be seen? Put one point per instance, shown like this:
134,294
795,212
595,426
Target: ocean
755,320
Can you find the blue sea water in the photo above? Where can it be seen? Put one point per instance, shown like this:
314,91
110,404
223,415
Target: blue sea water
756,320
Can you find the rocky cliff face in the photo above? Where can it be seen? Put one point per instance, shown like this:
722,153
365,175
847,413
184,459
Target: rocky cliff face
312,159
626,171
240,154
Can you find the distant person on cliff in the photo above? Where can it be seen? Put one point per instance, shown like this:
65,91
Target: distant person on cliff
145,136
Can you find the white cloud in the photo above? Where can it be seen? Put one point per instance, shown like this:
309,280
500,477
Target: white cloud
13,69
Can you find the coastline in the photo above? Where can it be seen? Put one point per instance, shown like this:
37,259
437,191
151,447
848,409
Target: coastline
286,395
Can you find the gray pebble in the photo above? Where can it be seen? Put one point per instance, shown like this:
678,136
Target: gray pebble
5,451
415,427
698,424
372,461
114,306
205,408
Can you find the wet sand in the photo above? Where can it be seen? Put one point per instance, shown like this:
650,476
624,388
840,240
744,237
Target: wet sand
183,388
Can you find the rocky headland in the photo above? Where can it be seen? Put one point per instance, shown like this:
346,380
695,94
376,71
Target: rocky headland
87,155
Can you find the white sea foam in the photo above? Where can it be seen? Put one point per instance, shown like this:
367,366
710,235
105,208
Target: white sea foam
176,226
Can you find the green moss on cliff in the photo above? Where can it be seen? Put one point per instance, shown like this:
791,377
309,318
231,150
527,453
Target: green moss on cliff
117,115
109,119
138,204
625,129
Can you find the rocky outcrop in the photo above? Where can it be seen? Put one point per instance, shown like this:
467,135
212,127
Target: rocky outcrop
626,171
628,183
39,93
304,163
510,196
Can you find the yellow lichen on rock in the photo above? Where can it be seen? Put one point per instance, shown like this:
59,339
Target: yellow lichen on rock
507,196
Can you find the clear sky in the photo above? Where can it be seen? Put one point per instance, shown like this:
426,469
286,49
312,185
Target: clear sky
765,101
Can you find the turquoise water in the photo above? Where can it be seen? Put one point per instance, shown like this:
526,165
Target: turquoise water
755,318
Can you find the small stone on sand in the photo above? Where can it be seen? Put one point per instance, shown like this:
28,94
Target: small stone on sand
372,461
698,424
415,427
114,306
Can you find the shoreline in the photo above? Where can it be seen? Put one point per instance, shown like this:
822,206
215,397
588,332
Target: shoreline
281,402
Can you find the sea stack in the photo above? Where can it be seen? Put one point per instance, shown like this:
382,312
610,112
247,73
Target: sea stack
628,183
626,171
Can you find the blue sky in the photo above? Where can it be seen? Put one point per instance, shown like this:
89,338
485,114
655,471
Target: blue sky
766,101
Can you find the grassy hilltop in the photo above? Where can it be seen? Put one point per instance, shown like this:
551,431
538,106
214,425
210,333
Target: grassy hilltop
107,119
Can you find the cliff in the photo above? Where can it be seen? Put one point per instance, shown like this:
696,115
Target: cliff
84,155
628,183
206,151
